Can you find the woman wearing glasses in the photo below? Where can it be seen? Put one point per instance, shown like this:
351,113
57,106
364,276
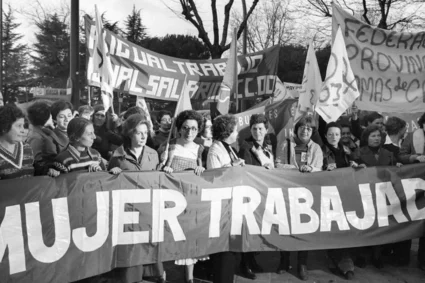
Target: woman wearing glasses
185,154
302,154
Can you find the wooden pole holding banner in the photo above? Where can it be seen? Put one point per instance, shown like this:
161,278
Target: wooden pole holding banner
235,72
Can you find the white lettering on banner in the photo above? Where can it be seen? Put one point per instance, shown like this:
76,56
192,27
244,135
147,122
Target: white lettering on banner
153,82
221,67
91,243
121,217
153,60
304,207
241,209
124,74
207,67
369,210
62,240
246,87
383,192
331,210
411,186
123,50
12,238
193,69
164,66
137,59
216,196
160,214
275,202
133,83
180,65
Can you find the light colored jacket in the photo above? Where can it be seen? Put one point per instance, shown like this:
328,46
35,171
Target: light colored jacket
314,155
218,156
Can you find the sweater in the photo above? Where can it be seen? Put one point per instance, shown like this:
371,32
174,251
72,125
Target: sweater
18,164
72,160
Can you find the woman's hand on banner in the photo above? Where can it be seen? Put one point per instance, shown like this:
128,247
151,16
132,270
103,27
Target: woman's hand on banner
331,166
53,173
115,170
199,170
168,169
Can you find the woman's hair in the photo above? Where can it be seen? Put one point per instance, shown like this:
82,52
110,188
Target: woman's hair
366,133
59,106
258,119
189,115
85,109
39,113
332,125
305,121
223,126
76,128
129,127
394,125
9,114
372,117
98,108
135,110
421,121
161,114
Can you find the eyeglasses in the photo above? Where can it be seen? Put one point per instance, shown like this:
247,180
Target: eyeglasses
187,129
304,128
99,115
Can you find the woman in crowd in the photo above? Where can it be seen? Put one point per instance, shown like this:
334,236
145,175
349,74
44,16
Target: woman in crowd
105,137
256,150
204,138
138,110
396,129
413,148
220,155
161,135
303,154
79,156
336,155
373,154
135,155
62,114
16,158
86,112
40,139
185,154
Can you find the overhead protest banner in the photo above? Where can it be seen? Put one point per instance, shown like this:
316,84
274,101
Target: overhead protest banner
389,66
339,90
158,76
77,226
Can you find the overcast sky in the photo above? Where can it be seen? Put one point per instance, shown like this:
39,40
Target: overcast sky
156,17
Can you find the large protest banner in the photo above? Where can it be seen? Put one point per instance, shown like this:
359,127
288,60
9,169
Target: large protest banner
389,66
77,226
153,75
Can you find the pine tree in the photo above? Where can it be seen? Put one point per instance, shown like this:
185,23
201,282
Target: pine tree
51,64
135,30
14,57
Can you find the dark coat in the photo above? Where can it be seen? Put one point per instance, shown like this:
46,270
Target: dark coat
366,156
329,156
127,162
246,154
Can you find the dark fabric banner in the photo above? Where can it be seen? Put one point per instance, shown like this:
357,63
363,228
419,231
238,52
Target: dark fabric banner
153,75
80,225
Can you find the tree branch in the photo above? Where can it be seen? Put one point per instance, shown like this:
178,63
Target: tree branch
226,22
365,10
215,21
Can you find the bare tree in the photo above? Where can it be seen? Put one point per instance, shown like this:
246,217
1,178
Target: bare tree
272,23
190,12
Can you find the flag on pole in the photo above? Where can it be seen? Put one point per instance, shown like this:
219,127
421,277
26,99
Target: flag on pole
311,85
102,64
228,84
339,89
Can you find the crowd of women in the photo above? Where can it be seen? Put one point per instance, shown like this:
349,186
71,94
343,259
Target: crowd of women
58,141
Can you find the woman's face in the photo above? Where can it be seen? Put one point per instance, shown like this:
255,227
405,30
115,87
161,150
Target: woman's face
333,136
258,132
233,136
63,118
17,132
165,122
304,133
88,137
189,130
379,122
140,136
99,118
374,139
207,131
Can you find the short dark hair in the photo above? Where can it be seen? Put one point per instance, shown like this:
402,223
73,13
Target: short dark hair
372,117
76,128
189,115
305,121
345,125
134,110
394,125
9,114
85,109
161,114
39,113
366,133
129,126
223,126
332,125
421,121
59,106
258,119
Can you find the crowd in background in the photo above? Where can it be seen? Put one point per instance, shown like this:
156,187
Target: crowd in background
54,139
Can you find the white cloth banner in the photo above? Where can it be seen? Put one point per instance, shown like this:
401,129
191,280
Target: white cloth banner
389,66
339,89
